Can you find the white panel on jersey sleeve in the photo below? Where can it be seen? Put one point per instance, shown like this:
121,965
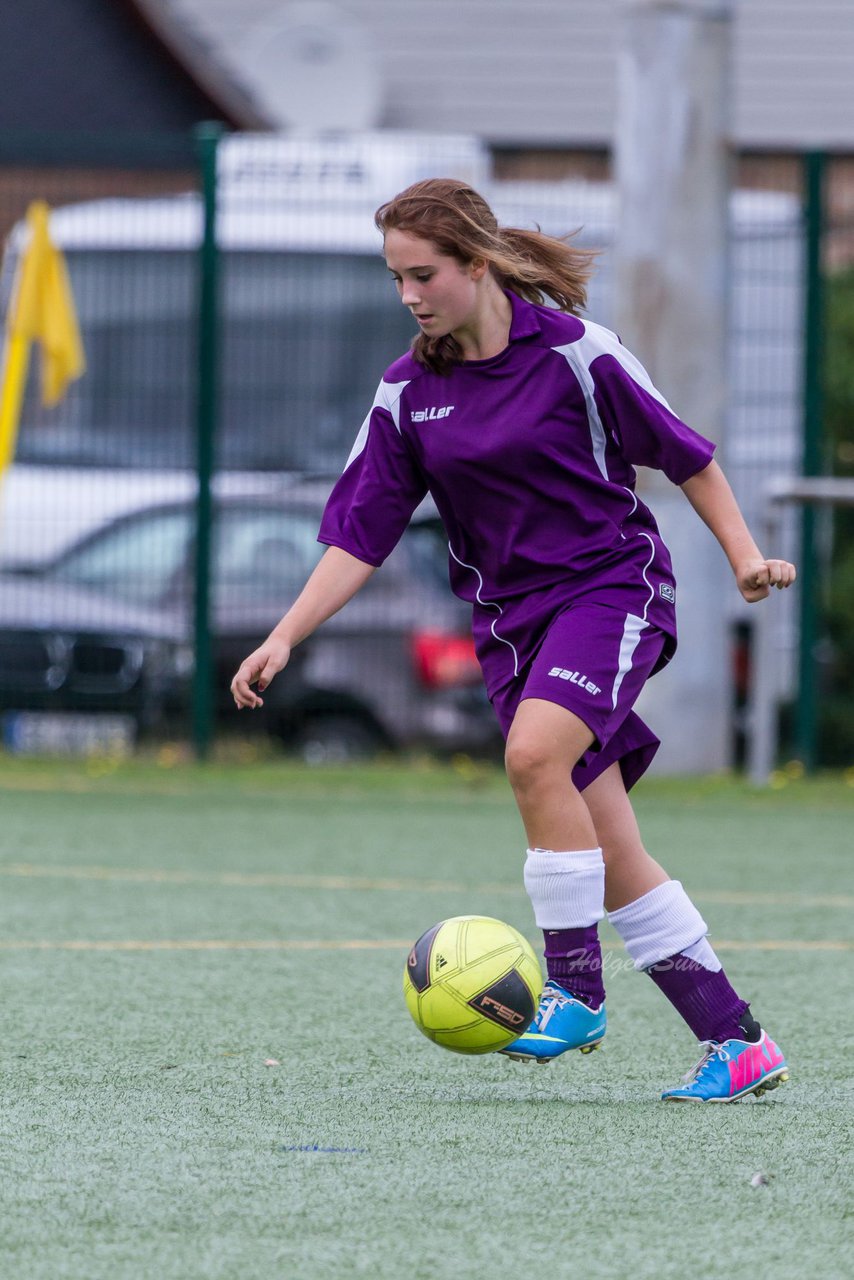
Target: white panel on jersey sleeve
597,341
361,439
393,392
598,438
387,397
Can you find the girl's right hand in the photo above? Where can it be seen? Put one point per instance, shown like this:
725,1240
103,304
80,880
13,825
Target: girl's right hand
756,578
259,668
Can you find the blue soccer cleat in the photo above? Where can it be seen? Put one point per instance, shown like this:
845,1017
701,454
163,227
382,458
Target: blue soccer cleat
731,1070
561,1023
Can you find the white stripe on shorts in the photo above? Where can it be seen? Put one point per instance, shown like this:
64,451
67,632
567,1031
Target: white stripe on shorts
631,638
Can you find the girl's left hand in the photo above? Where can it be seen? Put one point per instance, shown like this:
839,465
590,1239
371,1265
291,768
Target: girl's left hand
756,578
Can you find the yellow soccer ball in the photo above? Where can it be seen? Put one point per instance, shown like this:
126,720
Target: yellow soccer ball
472,984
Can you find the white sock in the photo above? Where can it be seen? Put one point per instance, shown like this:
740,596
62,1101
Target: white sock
662,923
567,890
704,953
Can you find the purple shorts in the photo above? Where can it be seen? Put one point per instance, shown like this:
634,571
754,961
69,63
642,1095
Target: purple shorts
594,660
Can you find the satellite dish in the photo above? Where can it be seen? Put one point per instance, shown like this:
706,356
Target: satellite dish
313,68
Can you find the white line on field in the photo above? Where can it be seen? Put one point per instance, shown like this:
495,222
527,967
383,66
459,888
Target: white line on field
355,884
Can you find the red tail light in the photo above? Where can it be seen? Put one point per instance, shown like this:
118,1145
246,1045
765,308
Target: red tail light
443,660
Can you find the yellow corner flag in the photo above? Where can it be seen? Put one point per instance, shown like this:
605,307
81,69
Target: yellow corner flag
41,310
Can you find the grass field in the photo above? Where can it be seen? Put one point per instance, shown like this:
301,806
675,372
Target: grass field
209,1070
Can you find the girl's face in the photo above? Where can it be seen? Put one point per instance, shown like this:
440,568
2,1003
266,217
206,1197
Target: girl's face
440,291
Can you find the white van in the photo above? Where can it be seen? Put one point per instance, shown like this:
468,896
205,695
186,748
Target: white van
309,320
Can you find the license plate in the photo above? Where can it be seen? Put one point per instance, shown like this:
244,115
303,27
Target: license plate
68,733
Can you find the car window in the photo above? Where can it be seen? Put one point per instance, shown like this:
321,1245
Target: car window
137,560
264,553
257,554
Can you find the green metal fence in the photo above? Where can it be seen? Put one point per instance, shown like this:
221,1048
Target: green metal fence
812,460
828,645
207,399
237,317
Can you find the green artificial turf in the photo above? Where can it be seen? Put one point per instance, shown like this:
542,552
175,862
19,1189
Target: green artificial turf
168,930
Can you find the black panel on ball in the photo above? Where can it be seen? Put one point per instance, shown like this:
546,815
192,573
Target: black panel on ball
507,1002
418,962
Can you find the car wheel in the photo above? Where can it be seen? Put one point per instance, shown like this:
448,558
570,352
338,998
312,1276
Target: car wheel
336,740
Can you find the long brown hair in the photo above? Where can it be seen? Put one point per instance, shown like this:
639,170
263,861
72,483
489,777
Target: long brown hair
459,223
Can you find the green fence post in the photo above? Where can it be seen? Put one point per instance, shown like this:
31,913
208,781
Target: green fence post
806,722
207,141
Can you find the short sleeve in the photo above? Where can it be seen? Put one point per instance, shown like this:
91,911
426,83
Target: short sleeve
381,486
645,428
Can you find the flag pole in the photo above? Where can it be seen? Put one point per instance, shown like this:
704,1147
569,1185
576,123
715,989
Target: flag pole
16,361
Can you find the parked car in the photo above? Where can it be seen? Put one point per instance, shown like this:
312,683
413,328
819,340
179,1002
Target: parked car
395,668
64,648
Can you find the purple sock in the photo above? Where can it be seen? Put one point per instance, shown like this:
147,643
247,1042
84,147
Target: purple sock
704,998
574,959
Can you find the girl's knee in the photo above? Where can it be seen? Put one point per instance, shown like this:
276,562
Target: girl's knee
526,758
532,754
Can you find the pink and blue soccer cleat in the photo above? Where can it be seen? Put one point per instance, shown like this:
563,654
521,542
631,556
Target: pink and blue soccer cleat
731,1070
561,1023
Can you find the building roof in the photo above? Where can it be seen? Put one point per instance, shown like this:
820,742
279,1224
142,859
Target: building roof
538,74
87,65
543,73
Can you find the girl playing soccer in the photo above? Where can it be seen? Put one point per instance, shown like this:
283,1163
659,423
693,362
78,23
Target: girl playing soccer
526,423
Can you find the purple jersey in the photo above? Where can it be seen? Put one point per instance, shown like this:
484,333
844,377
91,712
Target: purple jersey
529,457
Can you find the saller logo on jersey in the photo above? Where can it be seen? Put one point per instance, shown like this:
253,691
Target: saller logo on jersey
429,415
